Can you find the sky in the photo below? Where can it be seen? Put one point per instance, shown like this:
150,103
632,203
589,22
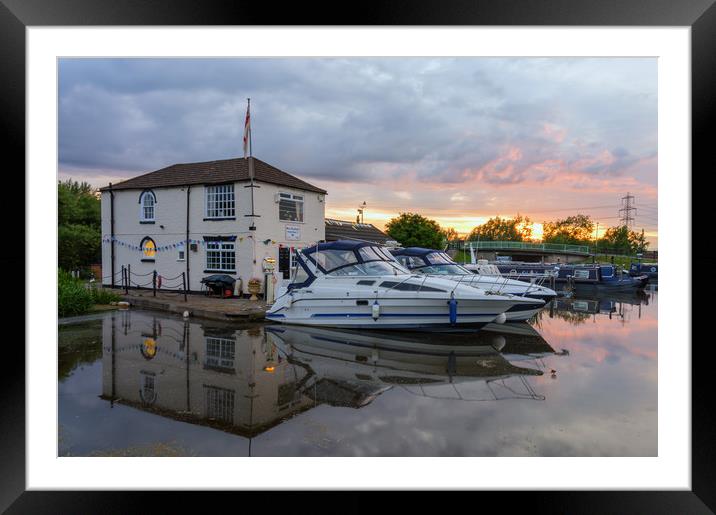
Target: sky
458,140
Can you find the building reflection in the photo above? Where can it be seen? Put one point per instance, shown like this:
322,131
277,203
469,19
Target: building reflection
246,380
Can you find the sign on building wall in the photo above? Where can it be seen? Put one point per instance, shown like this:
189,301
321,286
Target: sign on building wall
293,233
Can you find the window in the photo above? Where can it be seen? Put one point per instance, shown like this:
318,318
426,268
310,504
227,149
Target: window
180,257
299,275
219,404
290,207
220,352
220,256
147,200
330,259
149,249
403,286
411,262
220,201
147,390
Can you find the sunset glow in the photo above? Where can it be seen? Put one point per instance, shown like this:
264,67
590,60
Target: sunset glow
457,140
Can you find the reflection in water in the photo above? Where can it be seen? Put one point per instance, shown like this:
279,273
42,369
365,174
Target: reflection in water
585,306
564,387
247,380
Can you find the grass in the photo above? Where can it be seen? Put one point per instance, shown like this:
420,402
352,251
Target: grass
74,297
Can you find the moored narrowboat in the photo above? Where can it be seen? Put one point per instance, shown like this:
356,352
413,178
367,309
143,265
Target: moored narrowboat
651,270
596,275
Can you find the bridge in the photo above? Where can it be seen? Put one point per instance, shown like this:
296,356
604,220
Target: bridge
525,251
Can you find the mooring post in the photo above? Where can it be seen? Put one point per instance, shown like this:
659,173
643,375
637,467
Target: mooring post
129,275
183,280
125,280
154,283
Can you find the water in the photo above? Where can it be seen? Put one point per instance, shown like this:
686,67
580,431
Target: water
579,380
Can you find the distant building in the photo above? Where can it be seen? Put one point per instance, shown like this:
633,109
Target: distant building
343,230
195,218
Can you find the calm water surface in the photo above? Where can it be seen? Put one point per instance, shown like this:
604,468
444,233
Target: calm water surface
579,380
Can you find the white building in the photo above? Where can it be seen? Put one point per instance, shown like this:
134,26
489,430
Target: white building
197,218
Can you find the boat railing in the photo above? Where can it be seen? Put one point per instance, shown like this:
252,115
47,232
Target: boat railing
530,394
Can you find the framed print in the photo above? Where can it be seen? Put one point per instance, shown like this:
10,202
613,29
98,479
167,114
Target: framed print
432,162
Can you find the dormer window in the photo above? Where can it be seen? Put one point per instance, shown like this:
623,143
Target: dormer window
147,202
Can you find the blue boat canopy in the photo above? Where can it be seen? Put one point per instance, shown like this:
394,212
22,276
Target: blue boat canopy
412,251
338,245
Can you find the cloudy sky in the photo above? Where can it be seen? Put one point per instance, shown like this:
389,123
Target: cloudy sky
455,139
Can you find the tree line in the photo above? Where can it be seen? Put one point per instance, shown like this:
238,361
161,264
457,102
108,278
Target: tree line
414,230
79,232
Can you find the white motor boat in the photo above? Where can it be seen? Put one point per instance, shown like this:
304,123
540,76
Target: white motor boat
356,284
438,264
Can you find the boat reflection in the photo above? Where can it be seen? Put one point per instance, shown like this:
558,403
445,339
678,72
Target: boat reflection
246,380
615,305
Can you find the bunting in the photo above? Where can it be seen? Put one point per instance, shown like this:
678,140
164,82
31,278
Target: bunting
163,248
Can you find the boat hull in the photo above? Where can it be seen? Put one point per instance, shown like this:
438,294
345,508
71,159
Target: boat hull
393,313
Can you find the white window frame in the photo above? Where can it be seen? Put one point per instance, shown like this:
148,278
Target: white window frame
294,198
213,195
142,207
223,248
219,403
181,254
220,352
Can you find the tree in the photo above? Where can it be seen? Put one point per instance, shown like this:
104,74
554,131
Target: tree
449,234
573,230
503,229
79,232
621,239
414,230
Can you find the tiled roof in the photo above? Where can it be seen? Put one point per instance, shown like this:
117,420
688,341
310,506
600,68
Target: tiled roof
342,230
213,172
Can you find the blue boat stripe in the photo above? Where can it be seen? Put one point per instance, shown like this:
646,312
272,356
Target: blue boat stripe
383,315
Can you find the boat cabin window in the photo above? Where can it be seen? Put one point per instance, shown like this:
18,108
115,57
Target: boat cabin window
607,271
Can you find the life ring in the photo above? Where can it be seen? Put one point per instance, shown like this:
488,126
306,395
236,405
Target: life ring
653,269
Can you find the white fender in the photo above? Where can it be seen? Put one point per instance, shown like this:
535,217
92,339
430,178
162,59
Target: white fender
375,310
501,318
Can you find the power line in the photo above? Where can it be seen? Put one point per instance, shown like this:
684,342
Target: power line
582,208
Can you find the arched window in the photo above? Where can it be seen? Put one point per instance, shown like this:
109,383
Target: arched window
149,249
147,200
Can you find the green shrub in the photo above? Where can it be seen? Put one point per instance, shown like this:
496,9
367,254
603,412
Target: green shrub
73,298
103,296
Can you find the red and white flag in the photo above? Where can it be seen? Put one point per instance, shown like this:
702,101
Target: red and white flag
247,130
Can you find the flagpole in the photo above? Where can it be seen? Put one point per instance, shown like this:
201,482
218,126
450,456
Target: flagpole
251,184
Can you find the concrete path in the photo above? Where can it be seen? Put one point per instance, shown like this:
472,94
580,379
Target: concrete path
198,305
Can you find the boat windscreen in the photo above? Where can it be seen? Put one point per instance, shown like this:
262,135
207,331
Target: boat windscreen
333,258
369,268
371,254
439,258
445,270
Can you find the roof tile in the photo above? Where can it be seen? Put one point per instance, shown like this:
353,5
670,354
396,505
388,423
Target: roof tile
213,172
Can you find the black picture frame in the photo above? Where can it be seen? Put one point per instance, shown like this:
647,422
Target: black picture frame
16,15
